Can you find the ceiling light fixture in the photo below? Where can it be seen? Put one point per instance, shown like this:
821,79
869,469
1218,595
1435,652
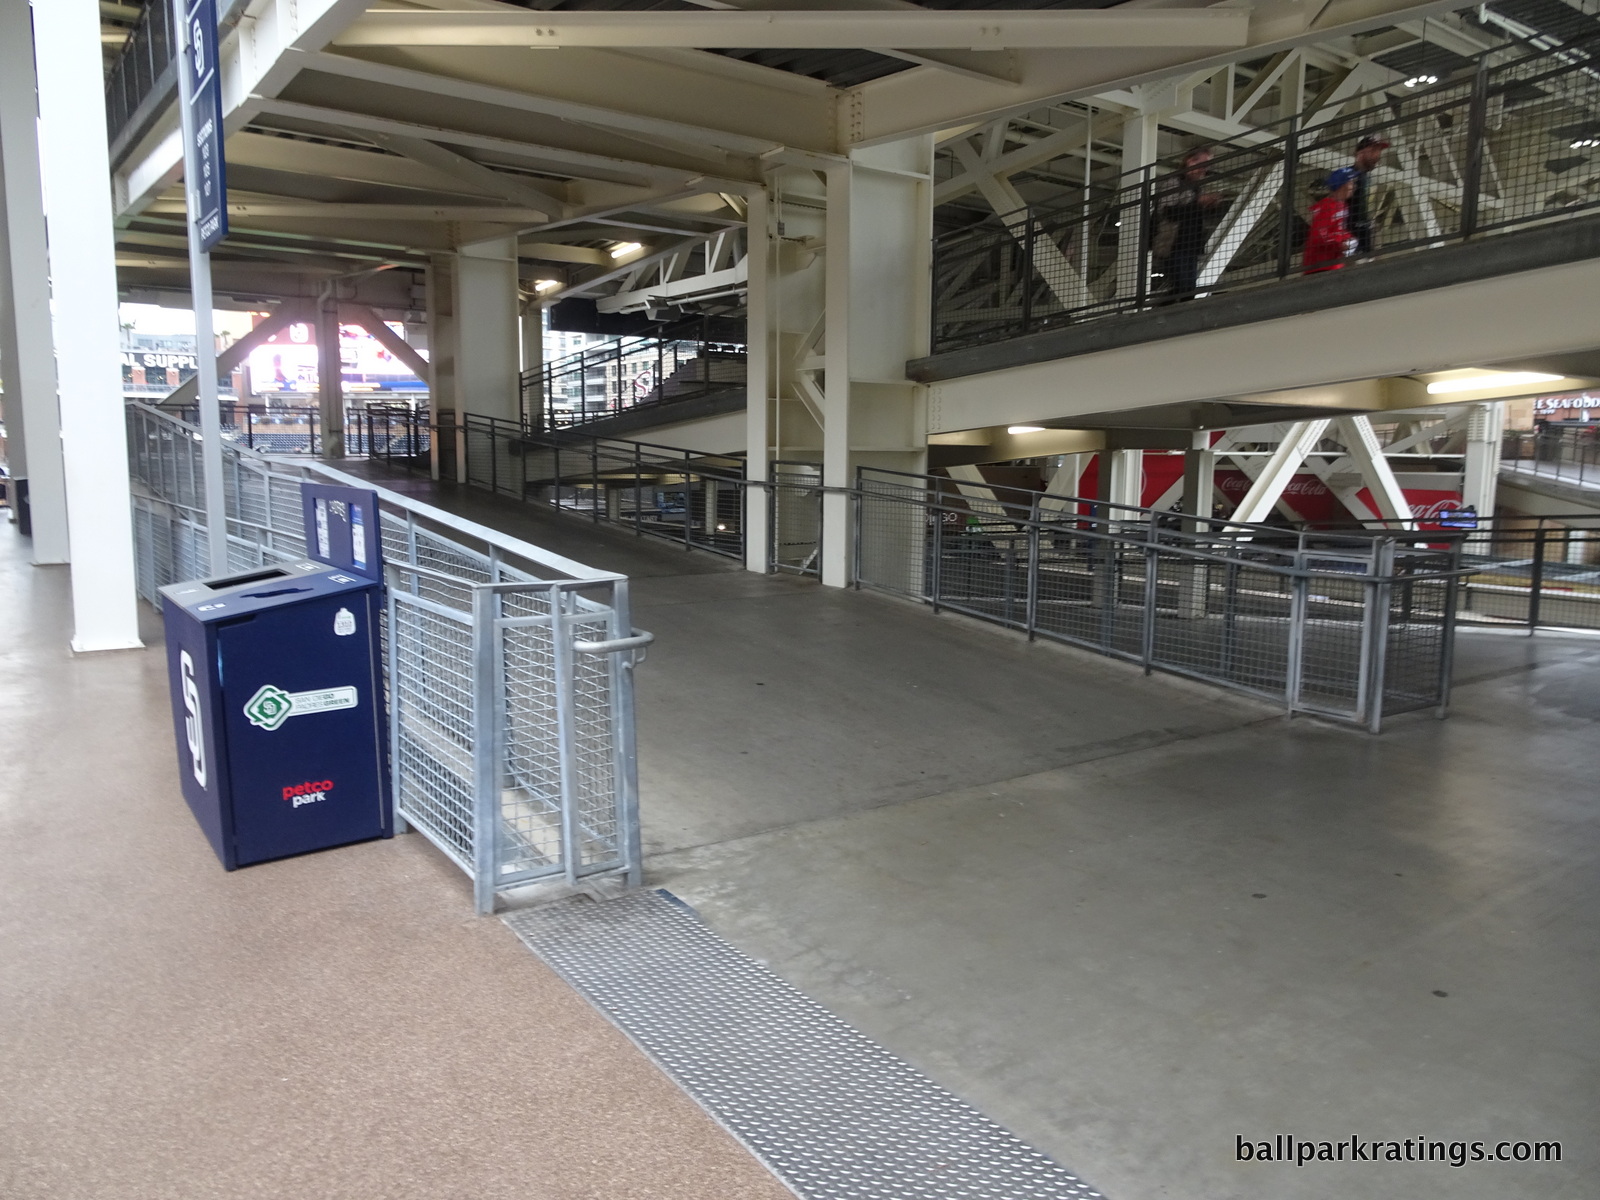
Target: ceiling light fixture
1421,80
544,285
1495,379
1587,143
624,248
1024,428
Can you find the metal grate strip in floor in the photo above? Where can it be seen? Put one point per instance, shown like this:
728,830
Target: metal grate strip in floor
831,1113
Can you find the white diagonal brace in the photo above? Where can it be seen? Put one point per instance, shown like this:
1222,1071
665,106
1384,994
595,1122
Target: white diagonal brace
360,314
1025,158
1063,484
286,314
496,183
980,497
1362,443
992,29
1300,439
1059,275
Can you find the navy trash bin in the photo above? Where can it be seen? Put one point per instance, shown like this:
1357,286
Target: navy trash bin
277,703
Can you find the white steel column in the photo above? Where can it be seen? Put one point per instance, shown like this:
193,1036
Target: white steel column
758,382
532,407
1124,480
442,394
1481,470
33,421
879,239
330,379
76,172
1199,479
1139,133
488,352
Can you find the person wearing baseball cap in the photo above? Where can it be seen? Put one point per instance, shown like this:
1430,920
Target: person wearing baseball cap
1330,240
1369,152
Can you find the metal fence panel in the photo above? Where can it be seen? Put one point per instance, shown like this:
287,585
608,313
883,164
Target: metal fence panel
1353,629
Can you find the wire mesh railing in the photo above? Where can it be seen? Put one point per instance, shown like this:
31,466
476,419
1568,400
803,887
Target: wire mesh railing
683,496
509,670
1534,572
1567,453
1490,152
1353,627
630,373
395,433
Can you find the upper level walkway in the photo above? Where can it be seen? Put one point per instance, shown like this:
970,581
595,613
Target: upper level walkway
1164,286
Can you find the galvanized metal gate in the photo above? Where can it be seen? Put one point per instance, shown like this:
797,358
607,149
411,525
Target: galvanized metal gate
509,669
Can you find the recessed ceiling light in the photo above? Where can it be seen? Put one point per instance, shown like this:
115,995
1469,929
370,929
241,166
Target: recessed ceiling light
1492,379
1024,428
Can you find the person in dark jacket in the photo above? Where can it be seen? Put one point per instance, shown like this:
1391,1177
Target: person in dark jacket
1369,152
1331,240
1180,233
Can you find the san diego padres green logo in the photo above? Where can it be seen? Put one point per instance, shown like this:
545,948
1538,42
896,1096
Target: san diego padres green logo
271,706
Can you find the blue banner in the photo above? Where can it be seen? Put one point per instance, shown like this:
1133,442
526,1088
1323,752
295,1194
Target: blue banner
210,189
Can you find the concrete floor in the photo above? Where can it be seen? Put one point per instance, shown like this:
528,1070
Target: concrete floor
332,1027
1135,918
1132,918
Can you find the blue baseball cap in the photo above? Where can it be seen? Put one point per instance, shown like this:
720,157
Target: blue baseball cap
1340,177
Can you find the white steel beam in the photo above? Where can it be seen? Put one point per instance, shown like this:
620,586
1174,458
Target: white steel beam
302,156
360,314
1362,442
319,210
561,161
285,315
1301,438
583,287
992,29
925,101
615,120
1023,159
525,193
733,277
1059,275
1064,483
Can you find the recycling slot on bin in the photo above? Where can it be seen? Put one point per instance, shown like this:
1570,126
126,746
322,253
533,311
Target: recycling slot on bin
277,700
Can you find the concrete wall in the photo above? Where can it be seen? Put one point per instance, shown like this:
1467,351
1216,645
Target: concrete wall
1547,311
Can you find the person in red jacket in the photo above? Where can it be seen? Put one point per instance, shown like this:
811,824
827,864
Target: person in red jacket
1330,239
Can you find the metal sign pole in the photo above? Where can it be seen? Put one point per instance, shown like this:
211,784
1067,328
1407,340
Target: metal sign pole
204,191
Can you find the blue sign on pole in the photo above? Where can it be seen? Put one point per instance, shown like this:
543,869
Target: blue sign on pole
210,187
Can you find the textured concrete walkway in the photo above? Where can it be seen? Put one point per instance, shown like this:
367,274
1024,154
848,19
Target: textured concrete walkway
1134,919
332,1027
